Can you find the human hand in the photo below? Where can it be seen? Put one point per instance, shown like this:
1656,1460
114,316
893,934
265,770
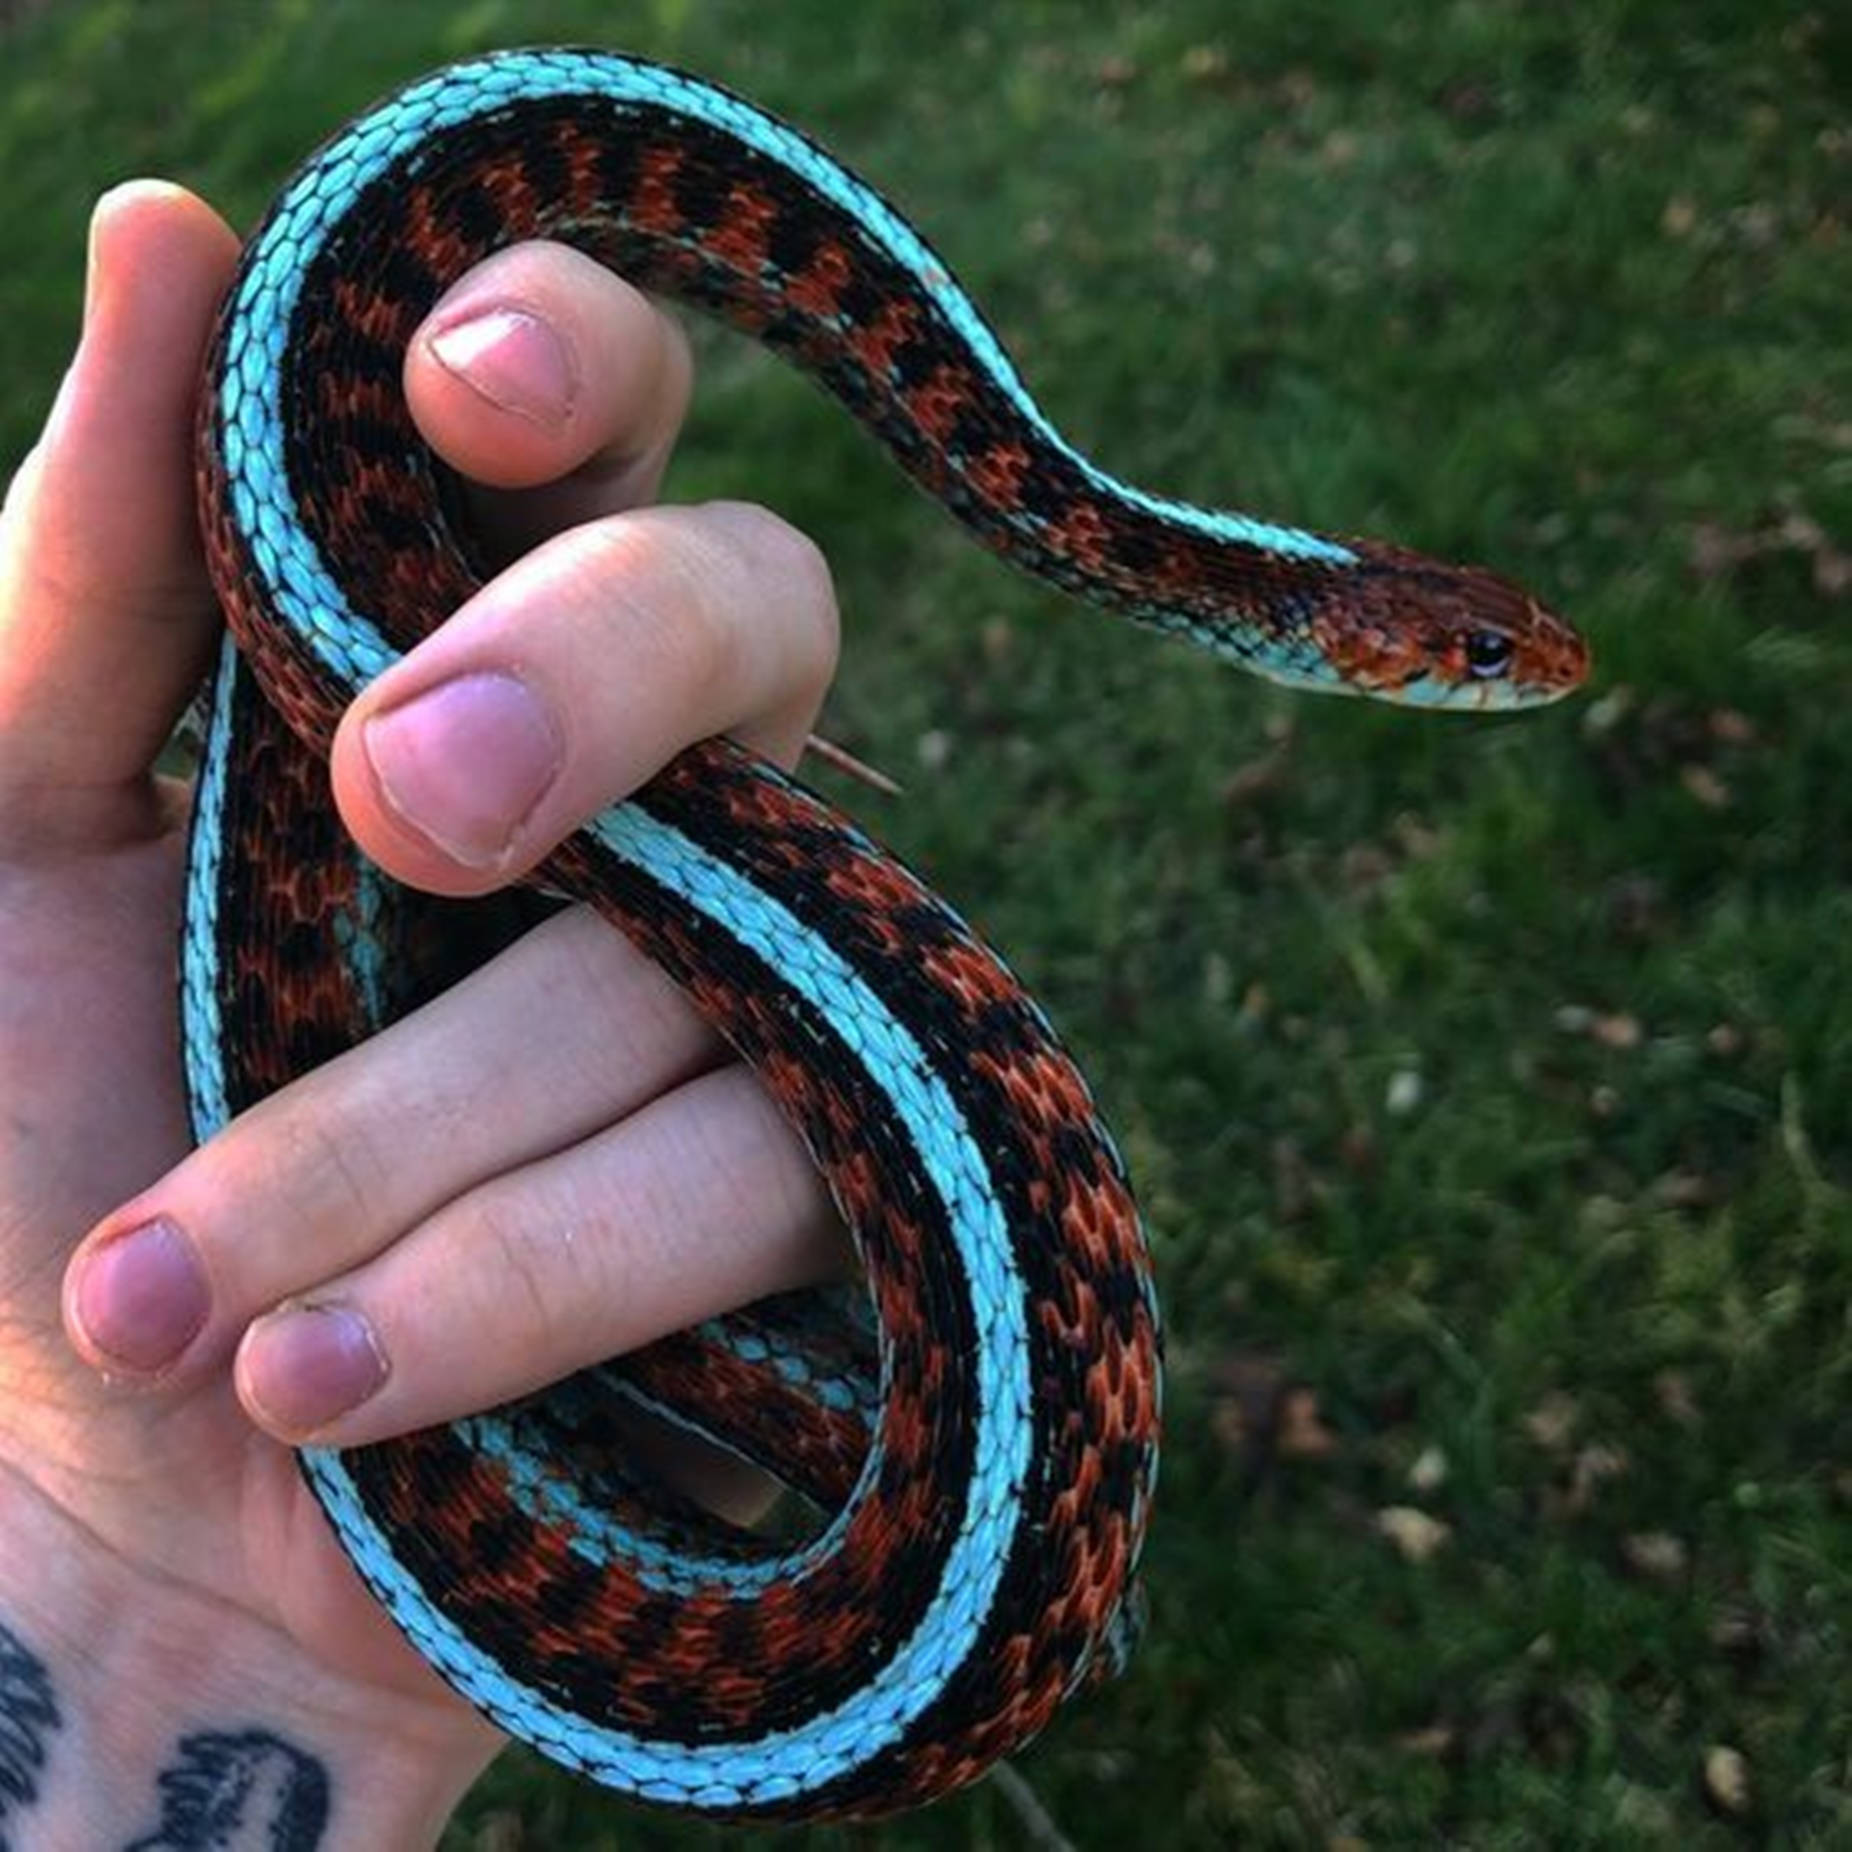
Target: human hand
377,1247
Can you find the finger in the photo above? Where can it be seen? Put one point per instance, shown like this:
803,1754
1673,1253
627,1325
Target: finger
575,675
543,375
105,614
692,1206
566,1031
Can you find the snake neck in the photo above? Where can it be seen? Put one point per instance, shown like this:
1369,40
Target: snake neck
801,257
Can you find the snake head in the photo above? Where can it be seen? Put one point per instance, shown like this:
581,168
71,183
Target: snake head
1402,627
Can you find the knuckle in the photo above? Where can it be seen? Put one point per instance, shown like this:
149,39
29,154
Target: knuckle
306,1168
640,577
535,1274
780,552
516,1270
726,607
682,608
336,1162
783,560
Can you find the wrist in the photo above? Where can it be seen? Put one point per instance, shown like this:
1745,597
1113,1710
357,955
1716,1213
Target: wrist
133,1709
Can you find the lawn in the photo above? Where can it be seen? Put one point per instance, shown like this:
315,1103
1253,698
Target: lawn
1488,1086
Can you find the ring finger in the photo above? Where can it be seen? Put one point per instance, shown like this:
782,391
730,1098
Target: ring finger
589,1175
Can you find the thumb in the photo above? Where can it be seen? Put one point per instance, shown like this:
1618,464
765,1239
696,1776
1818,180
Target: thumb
106,617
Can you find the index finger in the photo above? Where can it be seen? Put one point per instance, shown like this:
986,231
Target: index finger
543,376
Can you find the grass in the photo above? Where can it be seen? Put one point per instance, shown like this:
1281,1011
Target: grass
1488,1086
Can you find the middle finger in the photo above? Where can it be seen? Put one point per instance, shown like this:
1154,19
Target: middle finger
575,675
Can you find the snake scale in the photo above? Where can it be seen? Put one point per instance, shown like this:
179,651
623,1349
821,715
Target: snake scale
975,1425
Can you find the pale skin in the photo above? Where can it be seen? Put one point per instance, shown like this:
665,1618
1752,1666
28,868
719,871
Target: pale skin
380,1246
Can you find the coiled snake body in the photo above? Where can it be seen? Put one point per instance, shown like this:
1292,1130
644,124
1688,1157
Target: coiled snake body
984,1446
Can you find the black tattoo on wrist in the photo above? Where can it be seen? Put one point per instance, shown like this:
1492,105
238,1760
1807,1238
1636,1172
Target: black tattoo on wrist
28,1717
243,1792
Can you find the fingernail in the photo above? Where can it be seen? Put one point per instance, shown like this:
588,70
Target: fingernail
512,359
465,763
141,1298
305,1366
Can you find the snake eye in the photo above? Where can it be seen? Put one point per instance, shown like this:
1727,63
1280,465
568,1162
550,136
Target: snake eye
1488,654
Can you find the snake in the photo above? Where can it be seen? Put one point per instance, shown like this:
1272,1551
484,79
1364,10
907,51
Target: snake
967,1431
